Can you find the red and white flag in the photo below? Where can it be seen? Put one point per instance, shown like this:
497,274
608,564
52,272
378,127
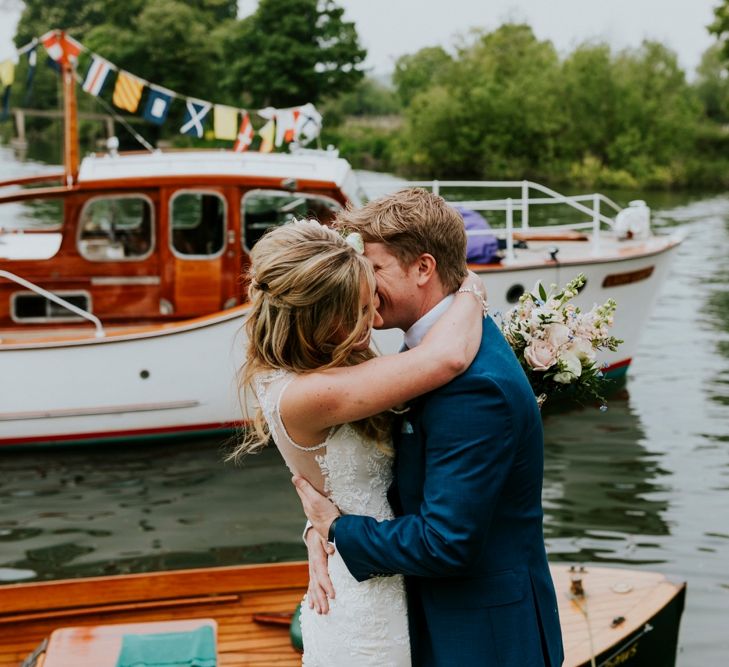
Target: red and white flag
245,135
61,47
286,125
96,76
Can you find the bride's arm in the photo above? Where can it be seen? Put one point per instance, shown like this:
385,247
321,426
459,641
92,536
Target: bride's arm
316,401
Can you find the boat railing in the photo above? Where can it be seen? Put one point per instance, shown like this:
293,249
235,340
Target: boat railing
592,206
100,333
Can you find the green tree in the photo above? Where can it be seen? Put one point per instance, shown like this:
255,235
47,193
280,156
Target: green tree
720,27
290,52
712,85
495,114
416,72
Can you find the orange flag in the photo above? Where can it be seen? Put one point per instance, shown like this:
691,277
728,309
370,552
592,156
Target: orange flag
128,91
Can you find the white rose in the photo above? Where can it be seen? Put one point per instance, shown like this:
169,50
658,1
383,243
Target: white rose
540,355
569,365
582,349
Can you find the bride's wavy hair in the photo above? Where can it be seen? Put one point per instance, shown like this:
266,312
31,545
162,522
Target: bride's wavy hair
304,290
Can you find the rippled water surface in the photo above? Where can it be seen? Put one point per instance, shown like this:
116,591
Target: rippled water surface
645,484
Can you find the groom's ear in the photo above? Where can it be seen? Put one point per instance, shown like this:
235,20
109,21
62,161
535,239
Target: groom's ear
426,268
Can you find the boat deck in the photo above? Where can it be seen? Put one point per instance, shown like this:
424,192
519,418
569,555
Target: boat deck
611,615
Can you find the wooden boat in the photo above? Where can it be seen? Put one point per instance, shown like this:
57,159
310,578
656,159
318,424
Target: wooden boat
611,616
132,263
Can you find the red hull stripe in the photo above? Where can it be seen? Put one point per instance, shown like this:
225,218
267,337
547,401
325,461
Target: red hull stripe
617,364
122,435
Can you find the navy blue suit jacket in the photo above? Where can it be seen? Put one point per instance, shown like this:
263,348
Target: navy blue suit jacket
468,537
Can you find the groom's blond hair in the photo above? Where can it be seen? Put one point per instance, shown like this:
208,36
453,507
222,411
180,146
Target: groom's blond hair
412,222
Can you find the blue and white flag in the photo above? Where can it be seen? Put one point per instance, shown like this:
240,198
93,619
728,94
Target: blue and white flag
158,104
32,62
195,118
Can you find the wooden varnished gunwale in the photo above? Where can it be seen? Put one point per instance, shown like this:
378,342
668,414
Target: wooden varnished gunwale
232,595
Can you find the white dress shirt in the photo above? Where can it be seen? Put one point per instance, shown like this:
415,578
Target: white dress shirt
415,334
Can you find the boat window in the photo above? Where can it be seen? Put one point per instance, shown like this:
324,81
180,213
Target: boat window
46,214
31,307
262,209
116,228
198,223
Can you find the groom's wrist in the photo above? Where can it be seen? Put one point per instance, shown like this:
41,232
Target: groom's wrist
331,534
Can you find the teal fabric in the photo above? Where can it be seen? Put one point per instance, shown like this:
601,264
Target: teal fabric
172,649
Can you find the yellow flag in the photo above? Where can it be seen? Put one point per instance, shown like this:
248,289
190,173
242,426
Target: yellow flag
127,92
225,122
267,132
7,72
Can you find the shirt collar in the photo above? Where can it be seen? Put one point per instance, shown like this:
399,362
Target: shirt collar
415,334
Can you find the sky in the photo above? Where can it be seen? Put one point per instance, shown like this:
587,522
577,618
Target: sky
391,28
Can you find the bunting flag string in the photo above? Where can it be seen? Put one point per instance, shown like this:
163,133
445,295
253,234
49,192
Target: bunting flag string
295,124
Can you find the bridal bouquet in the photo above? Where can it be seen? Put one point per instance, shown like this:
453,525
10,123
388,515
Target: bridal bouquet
556,343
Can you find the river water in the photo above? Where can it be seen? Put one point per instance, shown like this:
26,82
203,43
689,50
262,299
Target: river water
643,485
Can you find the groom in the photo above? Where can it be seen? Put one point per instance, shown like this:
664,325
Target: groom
468,468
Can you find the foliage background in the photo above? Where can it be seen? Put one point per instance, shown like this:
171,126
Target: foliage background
499,104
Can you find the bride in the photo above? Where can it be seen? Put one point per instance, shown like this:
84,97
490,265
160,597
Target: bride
327,401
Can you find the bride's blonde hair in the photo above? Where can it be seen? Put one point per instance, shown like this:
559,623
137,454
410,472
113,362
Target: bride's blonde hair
305,286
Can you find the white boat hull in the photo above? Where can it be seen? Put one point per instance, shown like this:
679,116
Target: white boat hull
183,378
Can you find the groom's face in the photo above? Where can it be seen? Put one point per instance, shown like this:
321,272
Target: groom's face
396,288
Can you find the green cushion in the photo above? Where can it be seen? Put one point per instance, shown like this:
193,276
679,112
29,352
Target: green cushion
172,649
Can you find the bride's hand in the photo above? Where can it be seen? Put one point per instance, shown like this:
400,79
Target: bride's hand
320,585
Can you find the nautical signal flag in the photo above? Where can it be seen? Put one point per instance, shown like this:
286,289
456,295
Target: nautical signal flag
127,92
245,135
195,118
158,104
97,76
308,124
285,125
225,122
60,46
266,133
7,72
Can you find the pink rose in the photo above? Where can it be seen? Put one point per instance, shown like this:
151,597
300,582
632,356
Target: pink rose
541,355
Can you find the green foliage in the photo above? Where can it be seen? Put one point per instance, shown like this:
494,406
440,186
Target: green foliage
292,51
368,98
414,73
712,86
509,108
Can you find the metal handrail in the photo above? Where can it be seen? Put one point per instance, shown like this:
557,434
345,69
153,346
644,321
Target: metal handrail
509,205
56,299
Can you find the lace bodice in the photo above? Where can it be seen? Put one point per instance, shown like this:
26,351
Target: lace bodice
354,473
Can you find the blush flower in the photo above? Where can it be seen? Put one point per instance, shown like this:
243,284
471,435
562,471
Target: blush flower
541,355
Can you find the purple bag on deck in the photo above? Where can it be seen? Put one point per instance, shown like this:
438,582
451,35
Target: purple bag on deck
480,248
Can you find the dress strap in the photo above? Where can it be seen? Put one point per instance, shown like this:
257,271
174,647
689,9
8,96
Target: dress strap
269,388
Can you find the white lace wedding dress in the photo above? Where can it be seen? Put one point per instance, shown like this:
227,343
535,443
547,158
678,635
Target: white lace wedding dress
367,621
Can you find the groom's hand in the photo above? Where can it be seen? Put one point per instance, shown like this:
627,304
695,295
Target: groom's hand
319,510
